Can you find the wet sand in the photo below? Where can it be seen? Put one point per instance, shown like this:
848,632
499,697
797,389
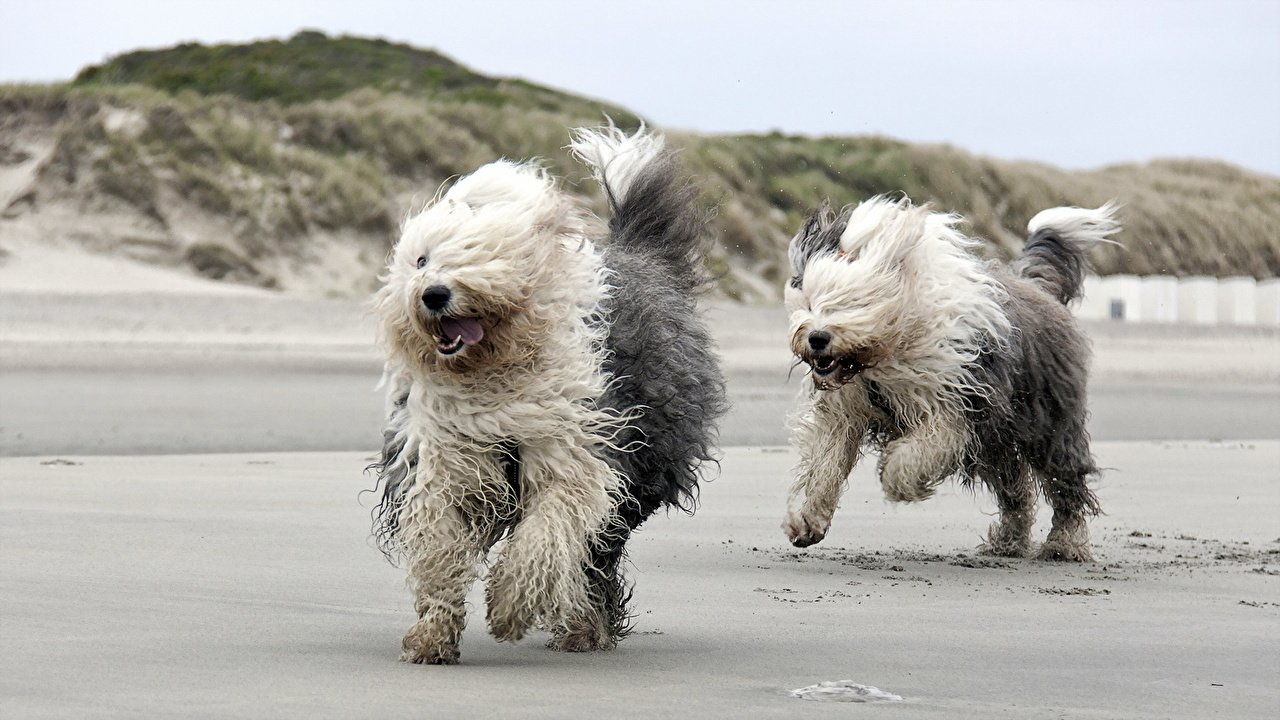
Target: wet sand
165,373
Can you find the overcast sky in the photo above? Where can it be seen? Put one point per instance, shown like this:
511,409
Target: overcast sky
1077,84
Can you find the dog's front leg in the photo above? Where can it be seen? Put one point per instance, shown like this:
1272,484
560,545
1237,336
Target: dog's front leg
912,466
442,553
828,437
540,576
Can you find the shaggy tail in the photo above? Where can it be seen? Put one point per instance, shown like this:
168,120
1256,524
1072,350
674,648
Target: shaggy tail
655,211
1056,256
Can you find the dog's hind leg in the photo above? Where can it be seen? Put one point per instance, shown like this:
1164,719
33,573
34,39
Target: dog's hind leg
539,578
1073,503
442,554
829,438
1065,485
1015,493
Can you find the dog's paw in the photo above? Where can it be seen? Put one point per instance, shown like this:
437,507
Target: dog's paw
509,613
1060,550
1068,541
803,531
581,637
517,603
907,491
508,628
1003,542
509,618
424,645
437,656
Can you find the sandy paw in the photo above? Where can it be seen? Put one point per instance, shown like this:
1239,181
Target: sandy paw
581,639
1002,543
1057,550
906,491
1068,541
803,531
425,648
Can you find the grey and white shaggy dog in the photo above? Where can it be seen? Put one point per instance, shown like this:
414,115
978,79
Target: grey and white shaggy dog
544,391
946,364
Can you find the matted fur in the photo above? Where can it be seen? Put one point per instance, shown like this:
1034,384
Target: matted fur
588,402
948,365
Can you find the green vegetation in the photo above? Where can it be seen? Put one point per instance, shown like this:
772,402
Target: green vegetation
313,66
236,158
309,66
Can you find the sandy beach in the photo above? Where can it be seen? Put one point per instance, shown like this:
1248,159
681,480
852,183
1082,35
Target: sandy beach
241,585
183,533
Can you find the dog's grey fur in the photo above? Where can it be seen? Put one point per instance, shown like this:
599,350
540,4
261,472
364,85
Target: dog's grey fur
1030,424
661,359
663,383
1022,395
820,235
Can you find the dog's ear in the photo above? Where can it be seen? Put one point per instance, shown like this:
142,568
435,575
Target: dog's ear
818,218
820,235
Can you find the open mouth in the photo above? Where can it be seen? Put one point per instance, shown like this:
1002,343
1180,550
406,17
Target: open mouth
458,333
837,370
824,365
449,347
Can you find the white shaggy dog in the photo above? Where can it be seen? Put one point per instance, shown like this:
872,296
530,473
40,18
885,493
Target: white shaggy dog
946,364
541,390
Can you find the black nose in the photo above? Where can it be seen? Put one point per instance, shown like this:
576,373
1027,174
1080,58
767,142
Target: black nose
436,297
819,340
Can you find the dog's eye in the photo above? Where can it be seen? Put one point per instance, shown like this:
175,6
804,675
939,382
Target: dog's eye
422,262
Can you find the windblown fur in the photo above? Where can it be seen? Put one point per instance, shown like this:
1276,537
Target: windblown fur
948,365
542,391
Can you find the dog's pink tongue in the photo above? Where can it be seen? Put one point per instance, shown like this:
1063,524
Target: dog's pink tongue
468,329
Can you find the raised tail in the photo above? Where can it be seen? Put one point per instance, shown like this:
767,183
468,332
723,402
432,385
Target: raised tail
1056,255
655,210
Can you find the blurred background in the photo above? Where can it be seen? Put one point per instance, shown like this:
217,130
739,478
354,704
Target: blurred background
196,197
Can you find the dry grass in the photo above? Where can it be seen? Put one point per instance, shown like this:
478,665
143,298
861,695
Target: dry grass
265,177
1181,217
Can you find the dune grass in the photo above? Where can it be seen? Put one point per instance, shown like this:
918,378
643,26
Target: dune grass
278,142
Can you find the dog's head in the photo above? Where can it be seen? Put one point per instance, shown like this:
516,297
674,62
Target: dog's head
850,294
484,273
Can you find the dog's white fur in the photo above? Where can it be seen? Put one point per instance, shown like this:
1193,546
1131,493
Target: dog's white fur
925,327
1090,226
514,249
904,295
611,153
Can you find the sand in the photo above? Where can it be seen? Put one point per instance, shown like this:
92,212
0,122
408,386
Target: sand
245,586
142,577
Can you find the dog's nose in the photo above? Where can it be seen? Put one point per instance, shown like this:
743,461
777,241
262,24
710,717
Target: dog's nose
819,340
436,297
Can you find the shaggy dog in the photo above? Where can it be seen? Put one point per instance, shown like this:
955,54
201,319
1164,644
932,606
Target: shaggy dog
946,364
542,390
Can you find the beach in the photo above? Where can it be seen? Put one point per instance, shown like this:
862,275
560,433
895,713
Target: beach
185,531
